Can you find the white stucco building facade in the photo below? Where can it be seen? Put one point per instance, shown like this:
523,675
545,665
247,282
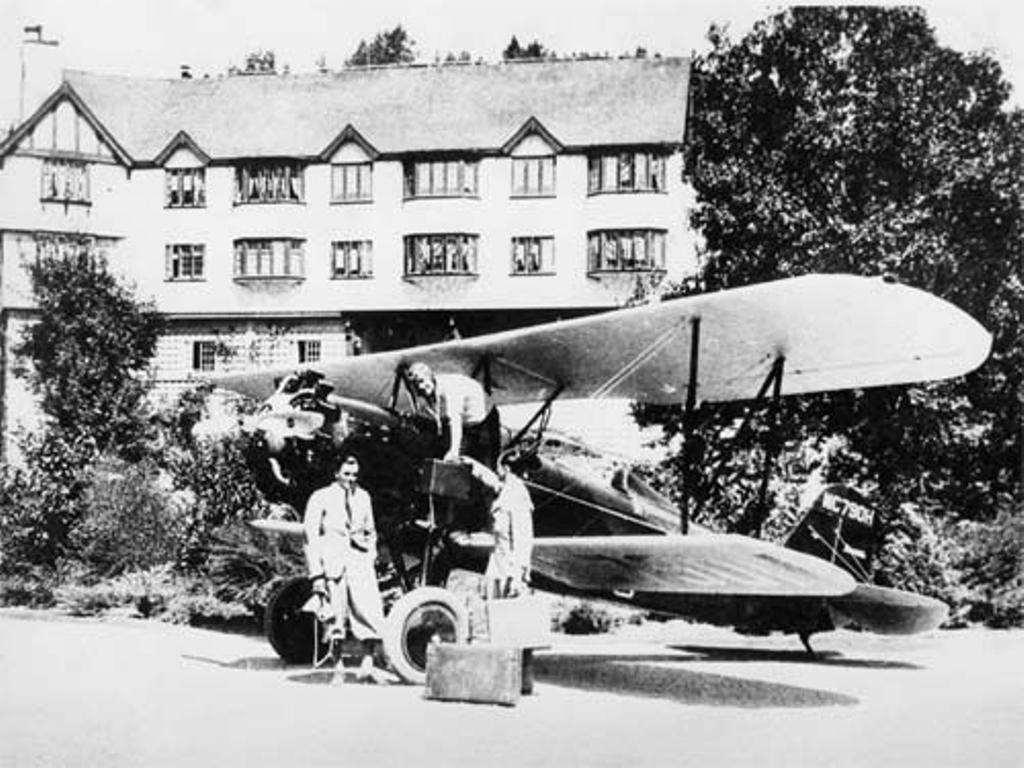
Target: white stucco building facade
291,219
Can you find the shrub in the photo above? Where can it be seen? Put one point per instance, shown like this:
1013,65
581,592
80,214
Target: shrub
206,610
993,568
217,476
129,522
584,619
32,589
40,503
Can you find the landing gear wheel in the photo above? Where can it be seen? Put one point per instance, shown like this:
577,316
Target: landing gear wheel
288,628
417,618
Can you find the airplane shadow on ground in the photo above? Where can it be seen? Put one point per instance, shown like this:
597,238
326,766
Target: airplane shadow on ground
661,676
309,676
820,658
649,677
251,663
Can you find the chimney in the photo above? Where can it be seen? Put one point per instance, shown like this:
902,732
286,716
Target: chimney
186,72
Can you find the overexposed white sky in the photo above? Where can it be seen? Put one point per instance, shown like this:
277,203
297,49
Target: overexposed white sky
145,37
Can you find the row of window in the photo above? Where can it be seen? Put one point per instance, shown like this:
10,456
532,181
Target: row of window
205,353
284,181
452,253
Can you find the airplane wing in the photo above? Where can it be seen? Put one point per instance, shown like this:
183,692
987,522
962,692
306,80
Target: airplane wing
705,564
709,564
835,332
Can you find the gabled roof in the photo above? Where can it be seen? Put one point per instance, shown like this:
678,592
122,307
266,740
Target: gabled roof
67,92
181,140
395,110
349,134
530,127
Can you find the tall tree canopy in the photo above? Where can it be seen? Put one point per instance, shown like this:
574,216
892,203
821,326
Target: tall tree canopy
388,47
849,140
89,350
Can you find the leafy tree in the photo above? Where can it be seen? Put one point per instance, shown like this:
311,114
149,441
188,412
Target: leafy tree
532,51
849,140
258,62
388,47
89,351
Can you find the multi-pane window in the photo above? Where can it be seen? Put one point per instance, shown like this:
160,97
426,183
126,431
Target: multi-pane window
73,246
533,176
441,178
533,255
204,355
269,182
184,261
269,258
351,182
611,250
309,350
185,187
447,254
351,258
626,172
65,181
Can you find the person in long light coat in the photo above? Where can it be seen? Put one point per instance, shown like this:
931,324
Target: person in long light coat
508,568
341,549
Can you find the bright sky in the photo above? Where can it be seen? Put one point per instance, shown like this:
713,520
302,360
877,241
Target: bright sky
144,37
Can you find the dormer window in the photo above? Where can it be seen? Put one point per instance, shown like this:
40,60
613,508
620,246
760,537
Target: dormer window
269,182
185,187
533,176
352,182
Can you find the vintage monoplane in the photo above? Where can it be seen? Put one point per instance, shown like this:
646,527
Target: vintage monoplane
614,537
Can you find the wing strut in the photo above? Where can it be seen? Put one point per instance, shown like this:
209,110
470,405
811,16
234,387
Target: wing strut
689,475
773,380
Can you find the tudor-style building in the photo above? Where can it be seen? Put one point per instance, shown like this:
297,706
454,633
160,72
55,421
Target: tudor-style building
290,219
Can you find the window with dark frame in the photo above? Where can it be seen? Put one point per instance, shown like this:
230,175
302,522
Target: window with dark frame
204,355
184,262
269,182
309,350
441,254
533,255
626,250
626,172
185,187
351,259
64,181
442,178
352,182
533,176
270,258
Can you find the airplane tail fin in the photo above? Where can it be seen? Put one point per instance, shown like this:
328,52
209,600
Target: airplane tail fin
841,528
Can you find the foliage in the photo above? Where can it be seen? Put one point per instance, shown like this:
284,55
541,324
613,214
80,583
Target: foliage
130,521
159,593
388,47
41,503
993,565
32,588
89,351
258,62
243,564
583,618
532,51
846,139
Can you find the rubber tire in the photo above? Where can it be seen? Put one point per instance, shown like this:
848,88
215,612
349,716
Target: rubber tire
288,628
412,668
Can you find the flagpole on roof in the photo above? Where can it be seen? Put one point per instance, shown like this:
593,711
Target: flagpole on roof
37,30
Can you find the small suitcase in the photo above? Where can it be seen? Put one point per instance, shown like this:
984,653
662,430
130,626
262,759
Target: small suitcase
448,480
488,674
